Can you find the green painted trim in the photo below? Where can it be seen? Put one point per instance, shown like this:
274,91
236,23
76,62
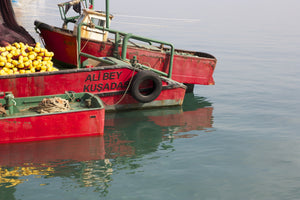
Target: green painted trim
126,38
19,106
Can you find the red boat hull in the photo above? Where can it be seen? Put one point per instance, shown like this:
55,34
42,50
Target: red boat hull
195,68
110,83
58,125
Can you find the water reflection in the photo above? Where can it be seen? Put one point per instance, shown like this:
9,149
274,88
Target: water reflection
91,161
144,130
45,158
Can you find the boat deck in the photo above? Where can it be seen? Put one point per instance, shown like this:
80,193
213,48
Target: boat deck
29,106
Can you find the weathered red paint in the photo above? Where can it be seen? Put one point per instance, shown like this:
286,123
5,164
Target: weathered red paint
109,83
52,126
196,69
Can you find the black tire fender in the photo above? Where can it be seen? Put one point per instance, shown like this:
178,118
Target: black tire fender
151,93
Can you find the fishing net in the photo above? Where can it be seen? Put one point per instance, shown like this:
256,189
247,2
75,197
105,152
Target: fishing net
50,105
2,110
10,30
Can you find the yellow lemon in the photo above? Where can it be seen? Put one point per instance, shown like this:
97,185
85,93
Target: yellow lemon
8,48
25,58
37,49
35,63
17,45
2,59
49,69
22,45
26,64
24,53
9,55
4,53
9,65
21,65
43,67
2,72
31,57
14,62
46,58
30,48
15,53
32,53
10,72
18,51
47,53
6,69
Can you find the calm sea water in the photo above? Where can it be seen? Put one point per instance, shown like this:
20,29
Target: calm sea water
238,139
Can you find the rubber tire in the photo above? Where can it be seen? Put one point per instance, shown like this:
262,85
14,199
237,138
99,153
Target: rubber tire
138,79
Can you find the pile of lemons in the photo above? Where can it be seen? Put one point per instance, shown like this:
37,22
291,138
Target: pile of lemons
20,58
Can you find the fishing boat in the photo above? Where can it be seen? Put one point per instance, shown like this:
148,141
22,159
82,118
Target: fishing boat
188,67
49,117
120,85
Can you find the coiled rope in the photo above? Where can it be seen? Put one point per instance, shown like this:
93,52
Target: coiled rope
50,105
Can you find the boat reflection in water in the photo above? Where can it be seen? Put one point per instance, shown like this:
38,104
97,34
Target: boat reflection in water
141,132
46,158
91,161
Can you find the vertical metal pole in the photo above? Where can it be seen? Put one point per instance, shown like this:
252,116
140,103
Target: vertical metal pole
92,3
78,45
124,45
116,49
171,61
9,97
107,13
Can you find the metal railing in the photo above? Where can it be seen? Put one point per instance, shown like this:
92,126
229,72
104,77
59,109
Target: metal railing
126,37
63,11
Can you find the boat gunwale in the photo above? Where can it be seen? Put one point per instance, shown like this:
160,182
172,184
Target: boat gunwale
197,54
53,113
65,71
170,82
